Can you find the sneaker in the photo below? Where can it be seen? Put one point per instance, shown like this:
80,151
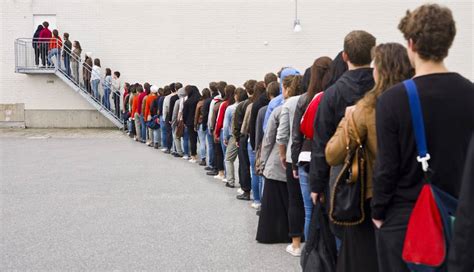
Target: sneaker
293,251
167,151
157,146
164,149
208,168
219,177
193,161
224,180
177,155
256,205
240,191
202,163
186,157
229,185
244,196
212,173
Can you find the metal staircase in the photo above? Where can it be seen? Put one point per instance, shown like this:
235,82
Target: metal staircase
25,50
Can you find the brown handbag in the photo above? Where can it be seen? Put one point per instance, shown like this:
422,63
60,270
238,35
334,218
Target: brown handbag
180,129
348,194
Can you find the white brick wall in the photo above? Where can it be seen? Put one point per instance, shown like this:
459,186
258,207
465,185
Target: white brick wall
198,41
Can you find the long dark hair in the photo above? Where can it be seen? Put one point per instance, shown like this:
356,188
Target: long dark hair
205,94
319,70
258,90
229,91
56,33
97,62
337,68
78,45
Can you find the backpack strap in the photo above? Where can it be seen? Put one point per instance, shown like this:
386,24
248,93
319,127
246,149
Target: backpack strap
418,125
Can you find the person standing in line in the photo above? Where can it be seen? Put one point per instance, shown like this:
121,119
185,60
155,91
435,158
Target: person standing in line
291,93
87,73
229,139
151,115
301,143
67,54
117,91
95,79
241,136
185,136
218,172
229,91
175,122
124,103
350,87
168,111
136,108
107,85
75,60
447,103
141,104
200,124
164,109
55,49
208,115
189,111
259,92
37,44
44,40
391,66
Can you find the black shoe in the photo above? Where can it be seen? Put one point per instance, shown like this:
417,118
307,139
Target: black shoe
208,168
157,146
202,163
167,151
177,155
244,196
229,185
257,212
212,173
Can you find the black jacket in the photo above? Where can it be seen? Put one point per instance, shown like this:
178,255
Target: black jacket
173,100
461,256
238,120
189,106
299,142
345,92
261,102
205,112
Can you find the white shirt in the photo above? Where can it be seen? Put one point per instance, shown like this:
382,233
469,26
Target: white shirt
95,72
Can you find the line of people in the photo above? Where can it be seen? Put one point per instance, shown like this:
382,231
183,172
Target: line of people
67,56
293,133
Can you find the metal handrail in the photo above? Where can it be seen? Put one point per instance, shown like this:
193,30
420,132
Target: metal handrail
21,45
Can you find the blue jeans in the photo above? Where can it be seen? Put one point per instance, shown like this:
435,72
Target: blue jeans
308,203
163,132
67,64
95,88
202,142
106,98
156,136
143,128
186,141
256,180
210,148
54,52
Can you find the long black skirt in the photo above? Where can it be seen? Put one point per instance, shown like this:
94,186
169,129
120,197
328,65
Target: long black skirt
358,251
273,222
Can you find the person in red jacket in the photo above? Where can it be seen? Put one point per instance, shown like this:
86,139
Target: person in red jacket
55,48
44,39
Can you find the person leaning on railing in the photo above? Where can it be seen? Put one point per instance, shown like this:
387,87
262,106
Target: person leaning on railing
75,60
67,54
86,72
55,49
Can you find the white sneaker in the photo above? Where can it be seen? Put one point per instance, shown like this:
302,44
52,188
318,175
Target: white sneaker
185,157
164,149
218,176
240,191
255,205
224,180
293,251
192,161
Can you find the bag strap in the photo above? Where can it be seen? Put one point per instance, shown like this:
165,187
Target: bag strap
418,124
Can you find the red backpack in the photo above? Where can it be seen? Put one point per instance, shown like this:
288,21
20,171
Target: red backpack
307,121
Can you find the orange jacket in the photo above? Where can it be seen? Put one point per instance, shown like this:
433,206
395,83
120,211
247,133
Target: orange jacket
149,100
55,43
134,106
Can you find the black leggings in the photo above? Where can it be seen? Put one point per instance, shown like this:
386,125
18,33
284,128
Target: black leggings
244,165
193,140
295,204
219,157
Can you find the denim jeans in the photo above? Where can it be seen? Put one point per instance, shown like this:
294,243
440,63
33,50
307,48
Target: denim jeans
143,128
210,148
67,65
106,98
186,141
202,142
256,180
308,203
95,88
163,132
156,136
54,52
